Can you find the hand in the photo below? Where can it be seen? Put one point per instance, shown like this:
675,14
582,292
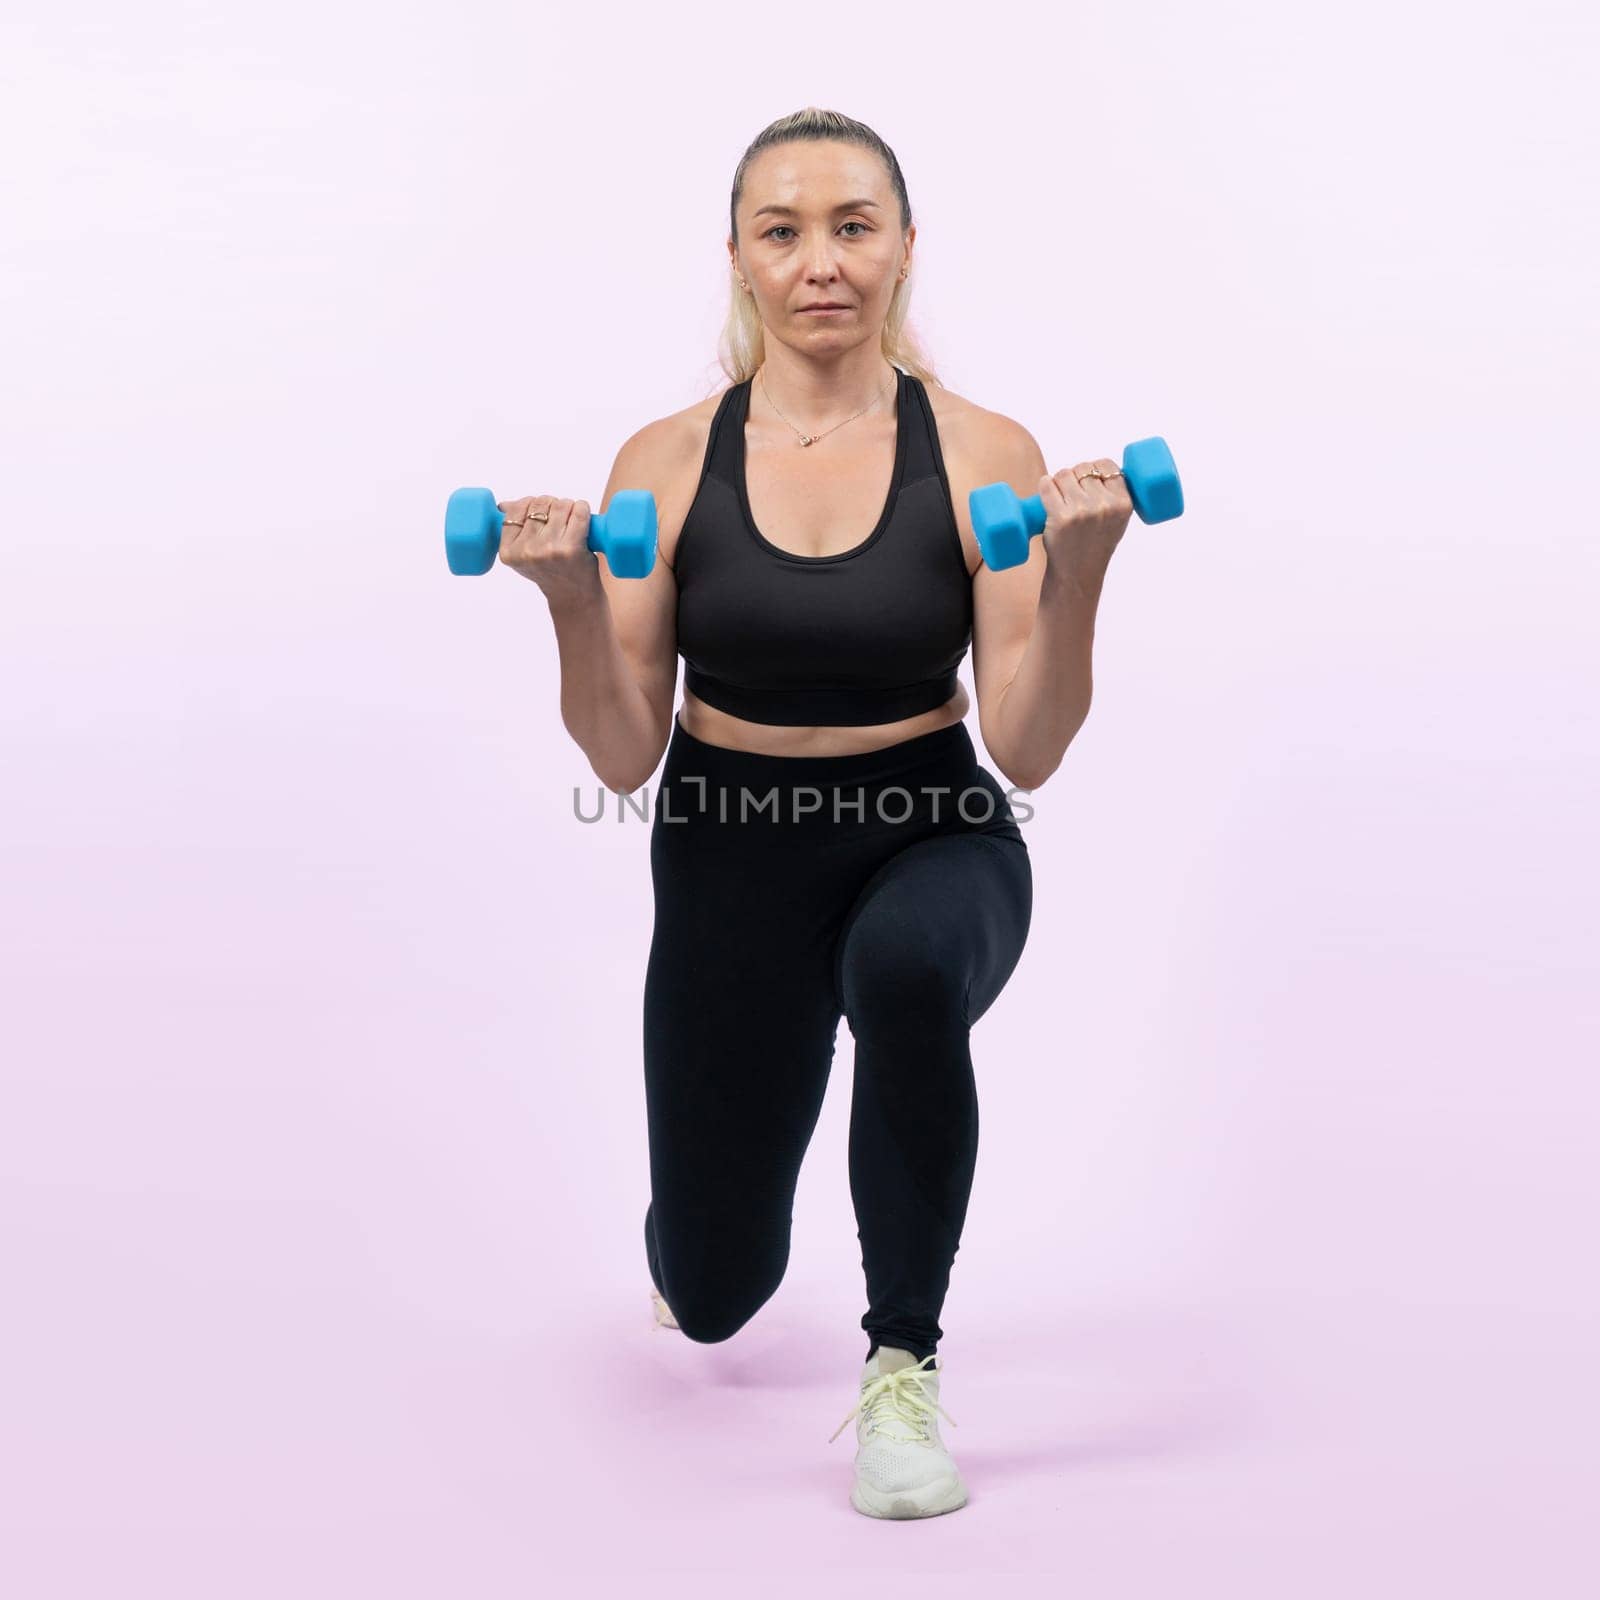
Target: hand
1084,517
555,553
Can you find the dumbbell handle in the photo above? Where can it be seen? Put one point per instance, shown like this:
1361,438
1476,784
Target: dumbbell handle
599,535
625,533
1005,523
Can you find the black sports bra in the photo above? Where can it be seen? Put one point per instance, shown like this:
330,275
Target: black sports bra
874,634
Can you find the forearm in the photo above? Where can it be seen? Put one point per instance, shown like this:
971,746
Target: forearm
1047,700
602,705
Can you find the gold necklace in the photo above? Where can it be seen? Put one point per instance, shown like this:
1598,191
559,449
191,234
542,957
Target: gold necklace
811,438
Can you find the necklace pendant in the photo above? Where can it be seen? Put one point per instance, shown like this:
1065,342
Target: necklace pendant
807,438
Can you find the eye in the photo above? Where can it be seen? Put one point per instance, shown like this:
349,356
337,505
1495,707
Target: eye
784,227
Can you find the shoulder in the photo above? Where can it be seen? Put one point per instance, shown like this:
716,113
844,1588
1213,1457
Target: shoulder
989,441
980,446
665,457
667,442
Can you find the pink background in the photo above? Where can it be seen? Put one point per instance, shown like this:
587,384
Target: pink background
322,1142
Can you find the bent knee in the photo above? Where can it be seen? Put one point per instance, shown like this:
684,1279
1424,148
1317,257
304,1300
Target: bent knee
710,1318
713,1294
892,979
711,1324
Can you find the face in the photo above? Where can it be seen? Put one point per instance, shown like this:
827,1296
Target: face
835,237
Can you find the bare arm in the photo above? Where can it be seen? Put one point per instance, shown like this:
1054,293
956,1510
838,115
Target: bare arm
1033,635
618,640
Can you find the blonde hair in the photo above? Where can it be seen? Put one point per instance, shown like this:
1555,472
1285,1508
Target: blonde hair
742,347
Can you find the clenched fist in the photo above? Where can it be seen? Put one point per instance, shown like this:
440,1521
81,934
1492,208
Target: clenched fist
1087,508
546,538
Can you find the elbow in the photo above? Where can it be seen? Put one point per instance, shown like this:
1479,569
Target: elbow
1036,777
1027,782
623,782
1025,776
626,782
636,767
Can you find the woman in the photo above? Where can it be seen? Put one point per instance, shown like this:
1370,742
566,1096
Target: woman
825,841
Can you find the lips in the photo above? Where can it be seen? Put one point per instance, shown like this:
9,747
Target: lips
824,308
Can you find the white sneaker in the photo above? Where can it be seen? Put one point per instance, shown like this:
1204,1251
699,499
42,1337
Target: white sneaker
661,1311
902,1468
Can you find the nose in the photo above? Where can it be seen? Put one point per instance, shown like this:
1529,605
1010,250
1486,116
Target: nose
820,266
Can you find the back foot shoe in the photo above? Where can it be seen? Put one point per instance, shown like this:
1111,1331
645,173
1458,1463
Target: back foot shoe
661,1310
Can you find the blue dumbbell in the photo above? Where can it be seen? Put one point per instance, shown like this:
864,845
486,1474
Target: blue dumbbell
1004,524
625,532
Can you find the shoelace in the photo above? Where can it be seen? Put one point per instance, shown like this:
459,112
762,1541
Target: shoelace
898,1397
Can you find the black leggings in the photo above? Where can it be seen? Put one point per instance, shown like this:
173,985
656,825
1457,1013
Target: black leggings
791,890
